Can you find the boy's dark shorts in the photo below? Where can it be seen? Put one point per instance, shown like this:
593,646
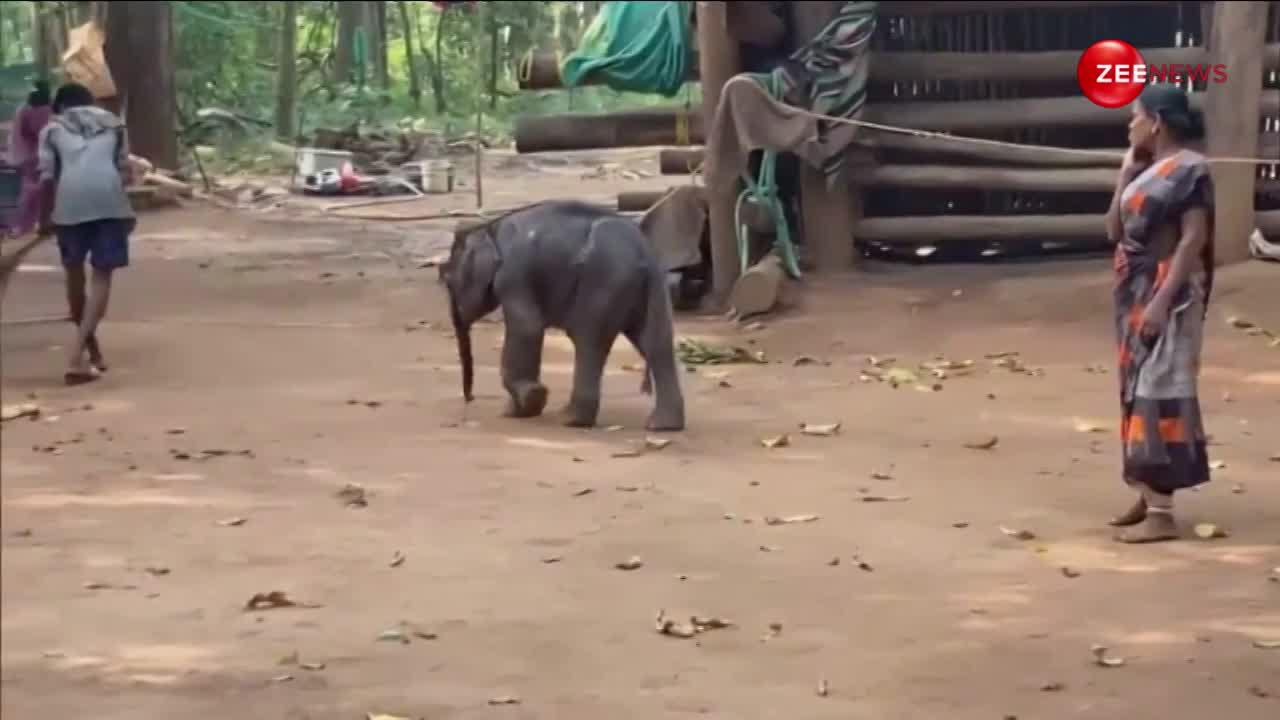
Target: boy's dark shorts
104,242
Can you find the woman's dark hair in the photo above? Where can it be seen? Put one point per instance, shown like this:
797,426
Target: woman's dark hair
1169,103
71,95
39,97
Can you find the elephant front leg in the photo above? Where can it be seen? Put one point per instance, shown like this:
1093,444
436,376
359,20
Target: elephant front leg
522,363
589,357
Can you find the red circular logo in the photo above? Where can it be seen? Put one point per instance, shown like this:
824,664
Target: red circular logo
1111,73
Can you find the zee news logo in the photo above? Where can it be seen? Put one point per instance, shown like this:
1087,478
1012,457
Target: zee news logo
1112,73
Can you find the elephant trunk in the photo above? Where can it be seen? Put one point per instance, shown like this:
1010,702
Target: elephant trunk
462,331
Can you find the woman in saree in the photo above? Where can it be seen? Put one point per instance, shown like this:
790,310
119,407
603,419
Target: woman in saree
27,124
1161,219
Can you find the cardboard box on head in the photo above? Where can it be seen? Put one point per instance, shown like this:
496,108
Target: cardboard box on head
84,61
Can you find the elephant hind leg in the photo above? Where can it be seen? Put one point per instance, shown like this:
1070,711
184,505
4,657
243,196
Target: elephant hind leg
590,351
636,337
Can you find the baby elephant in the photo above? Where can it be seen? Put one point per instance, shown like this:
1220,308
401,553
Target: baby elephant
567,265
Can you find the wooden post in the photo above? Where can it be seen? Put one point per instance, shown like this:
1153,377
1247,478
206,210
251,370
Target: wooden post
828,214
1231,117
719,60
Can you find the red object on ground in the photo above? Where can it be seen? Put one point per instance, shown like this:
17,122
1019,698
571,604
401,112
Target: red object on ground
348,179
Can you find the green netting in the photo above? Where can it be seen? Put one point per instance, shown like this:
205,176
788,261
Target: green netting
635,46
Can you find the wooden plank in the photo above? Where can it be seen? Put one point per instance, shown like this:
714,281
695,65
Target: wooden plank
541,71
1231,113
647,128
719,59
1021,66
951,177
952,228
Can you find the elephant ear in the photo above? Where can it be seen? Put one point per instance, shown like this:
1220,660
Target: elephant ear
470,272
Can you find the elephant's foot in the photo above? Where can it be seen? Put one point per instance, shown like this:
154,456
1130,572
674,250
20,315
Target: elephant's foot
528,399
665,420
580,414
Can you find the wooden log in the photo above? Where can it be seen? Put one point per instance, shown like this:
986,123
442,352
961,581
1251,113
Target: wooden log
719,59
827,213
759,288
679,161
177,186
632,128
660,126
951,228
1231,118
951,177
541,70
638,200
1052,66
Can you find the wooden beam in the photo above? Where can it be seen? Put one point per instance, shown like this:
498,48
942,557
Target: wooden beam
952,177
541,71
679,161
647,128
1231,118
719,59
1021,66
953,228
631,128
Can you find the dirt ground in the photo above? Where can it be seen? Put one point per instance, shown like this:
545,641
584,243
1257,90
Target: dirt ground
321,350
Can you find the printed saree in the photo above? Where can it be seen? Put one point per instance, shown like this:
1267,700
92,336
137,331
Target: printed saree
1161,428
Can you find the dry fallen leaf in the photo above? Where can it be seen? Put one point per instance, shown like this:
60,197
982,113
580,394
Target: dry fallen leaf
632,563
398,559
583,491
352,495
820,430
1052,687
1100,657
504,700
1267,644
1209,531
1018,534
901,376
776,441
157,571
13,412
790,519
1239,323
1087,427
282,678
272,600
666,626
552,559
822,687
885,498
983,444
1069,572
709,623
232,522
383,716
881,476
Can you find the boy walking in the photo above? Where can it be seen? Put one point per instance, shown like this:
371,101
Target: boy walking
84,167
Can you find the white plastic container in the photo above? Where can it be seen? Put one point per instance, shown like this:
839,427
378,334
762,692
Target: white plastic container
437,176
313,160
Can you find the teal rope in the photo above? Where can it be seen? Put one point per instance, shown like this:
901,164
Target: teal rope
763,192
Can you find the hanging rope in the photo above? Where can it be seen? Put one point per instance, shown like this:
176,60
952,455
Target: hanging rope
762,191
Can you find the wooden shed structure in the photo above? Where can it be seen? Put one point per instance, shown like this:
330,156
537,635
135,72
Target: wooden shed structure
990,70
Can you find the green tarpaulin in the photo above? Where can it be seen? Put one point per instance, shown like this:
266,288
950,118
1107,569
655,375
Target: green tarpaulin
635,46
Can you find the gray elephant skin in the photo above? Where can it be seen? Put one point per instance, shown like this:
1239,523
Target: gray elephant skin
584,270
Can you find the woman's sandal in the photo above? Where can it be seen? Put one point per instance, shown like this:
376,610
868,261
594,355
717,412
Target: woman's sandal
1158,527
1132,516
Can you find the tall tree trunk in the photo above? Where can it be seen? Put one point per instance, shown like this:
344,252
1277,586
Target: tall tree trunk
415,82
264,38
349,18
494,64
287,76
50,23
437,74
378,43
139,51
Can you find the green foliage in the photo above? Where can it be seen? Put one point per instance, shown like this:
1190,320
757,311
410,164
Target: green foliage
225,58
